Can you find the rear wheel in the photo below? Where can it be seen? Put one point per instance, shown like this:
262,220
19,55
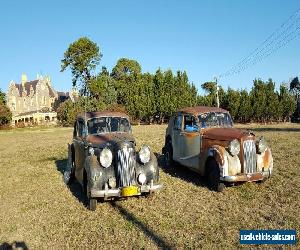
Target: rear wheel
69,173
214,176
169,155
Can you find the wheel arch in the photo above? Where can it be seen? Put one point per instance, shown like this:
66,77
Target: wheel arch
217,154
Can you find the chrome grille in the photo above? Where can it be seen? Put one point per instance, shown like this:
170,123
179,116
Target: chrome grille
126,166
249,157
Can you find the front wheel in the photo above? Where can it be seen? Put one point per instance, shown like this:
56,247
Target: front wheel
91,202
214,176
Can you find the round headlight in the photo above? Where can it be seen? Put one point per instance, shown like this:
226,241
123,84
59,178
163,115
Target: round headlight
234,147
144,154
106,157
262,144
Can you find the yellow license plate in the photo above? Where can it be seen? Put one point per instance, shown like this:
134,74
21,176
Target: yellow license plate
129,191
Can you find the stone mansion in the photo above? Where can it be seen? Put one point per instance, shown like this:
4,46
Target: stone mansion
34,101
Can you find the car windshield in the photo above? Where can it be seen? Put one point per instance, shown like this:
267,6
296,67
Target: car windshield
100,125
215,119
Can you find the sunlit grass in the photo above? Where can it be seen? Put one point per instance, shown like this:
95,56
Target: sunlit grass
38,208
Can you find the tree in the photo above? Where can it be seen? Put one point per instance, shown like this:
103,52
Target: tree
295,91
233,98
245,108
68,110
126,73
81,57
258,100
287,103
272,111
2,97
5,113
161,96
103,88
186,93
211,89
126,67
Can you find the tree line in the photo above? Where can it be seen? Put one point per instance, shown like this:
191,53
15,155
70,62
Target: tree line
154,97
263,103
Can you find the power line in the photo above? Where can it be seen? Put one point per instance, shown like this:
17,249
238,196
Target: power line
269,45
268,52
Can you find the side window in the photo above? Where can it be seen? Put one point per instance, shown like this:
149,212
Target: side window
177,122
190,124
80,128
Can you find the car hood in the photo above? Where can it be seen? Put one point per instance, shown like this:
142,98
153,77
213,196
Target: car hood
98,140
225,134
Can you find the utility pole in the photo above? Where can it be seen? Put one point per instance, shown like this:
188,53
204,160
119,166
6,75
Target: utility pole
217,92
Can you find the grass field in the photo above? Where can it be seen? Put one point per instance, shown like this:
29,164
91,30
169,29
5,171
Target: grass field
39,211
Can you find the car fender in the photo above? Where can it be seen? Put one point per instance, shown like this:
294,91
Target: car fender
219,154
93,170
264,161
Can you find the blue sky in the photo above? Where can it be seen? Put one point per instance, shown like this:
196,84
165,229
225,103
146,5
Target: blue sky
205,38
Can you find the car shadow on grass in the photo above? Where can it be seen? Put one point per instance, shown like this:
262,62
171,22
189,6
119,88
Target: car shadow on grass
161,243
75,187
181,172
77,191
15,245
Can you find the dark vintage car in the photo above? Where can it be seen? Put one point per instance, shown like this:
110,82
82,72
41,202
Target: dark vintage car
104,160
204,140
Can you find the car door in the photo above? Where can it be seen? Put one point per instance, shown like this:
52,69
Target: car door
79,150
175,136
190,142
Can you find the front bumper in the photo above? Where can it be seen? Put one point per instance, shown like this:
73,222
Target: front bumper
117,192
247,177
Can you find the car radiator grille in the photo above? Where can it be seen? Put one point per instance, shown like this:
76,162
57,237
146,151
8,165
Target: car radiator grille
126,166
249,157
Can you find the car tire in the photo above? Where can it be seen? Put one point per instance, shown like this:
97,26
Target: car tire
214,176
91,202
168,155
69,174
260,182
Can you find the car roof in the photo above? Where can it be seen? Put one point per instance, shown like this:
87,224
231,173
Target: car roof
201,109
89,115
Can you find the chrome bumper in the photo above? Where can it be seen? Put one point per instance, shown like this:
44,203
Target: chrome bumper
117,192
247,177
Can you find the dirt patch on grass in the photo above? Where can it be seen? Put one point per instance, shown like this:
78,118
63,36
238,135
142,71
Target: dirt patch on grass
37,209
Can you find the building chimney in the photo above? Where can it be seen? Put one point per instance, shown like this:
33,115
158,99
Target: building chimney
24,79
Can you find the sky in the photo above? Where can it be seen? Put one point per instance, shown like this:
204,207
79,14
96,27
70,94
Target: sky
204,38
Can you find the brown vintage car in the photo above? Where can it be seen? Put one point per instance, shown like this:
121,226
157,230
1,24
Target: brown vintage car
204,140
104,160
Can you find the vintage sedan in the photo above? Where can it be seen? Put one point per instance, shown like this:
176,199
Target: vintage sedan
104,160
204,140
